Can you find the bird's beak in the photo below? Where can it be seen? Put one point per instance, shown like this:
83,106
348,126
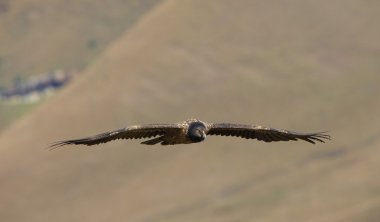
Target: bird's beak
203,135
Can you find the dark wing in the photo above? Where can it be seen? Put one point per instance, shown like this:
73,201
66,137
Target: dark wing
132,132
263,133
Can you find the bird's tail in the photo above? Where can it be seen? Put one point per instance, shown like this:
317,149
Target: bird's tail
154,141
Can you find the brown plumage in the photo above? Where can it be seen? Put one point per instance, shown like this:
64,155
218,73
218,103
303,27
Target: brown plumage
193,131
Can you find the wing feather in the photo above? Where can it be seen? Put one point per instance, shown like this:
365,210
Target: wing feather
265,134
132,132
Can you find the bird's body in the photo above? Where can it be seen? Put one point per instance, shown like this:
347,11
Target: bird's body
194,131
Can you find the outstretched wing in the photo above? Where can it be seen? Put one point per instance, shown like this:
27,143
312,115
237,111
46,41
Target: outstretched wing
132,132
263,133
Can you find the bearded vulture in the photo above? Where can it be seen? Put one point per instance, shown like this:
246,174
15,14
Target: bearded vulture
195,131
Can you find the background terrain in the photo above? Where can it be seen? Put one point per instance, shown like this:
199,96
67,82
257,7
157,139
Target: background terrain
298,65
41,36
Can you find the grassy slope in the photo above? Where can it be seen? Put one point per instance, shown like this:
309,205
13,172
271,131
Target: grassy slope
10,113
297,65
38,36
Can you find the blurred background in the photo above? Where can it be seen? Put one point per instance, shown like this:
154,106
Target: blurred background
74,68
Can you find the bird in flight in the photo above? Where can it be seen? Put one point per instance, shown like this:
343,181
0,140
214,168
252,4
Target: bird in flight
194,131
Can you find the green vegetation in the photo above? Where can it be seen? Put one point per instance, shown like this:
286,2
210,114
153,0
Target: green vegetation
9,113
92,44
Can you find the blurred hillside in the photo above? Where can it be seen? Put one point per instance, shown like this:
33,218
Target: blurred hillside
37,36
40,36
299,65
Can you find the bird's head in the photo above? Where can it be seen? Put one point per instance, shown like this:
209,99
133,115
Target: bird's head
197,132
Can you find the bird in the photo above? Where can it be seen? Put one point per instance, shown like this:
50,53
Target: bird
194,131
